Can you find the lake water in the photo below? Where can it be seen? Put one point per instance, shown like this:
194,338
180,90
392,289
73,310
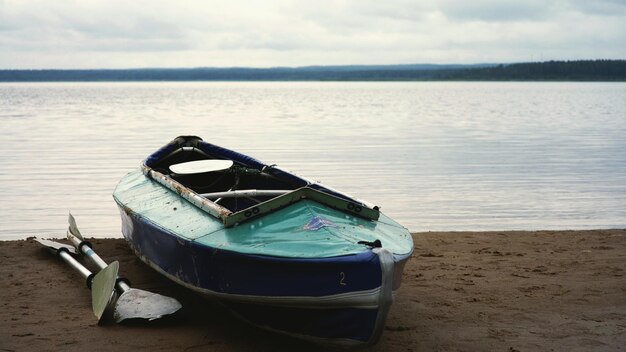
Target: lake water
434,156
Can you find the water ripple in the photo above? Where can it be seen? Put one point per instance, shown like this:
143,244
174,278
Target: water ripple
434,156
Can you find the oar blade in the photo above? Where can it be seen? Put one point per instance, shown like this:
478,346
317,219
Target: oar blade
74,228
131,303
103,288
135,303
55,246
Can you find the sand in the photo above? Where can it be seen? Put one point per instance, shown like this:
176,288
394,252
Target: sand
504,291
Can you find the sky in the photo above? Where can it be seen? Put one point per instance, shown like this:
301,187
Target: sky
83,34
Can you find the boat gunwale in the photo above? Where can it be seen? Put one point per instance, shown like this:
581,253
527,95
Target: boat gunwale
310,190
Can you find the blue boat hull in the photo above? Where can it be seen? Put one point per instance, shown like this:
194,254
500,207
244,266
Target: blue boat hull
282,252
338,300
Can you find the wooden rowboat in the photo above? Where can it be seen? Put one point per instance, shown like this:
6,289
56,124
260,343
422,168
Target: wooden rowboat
280,251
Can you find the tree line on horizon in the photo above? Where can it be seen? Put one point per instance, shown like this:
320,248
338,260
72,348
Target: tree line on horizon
587,70
580,70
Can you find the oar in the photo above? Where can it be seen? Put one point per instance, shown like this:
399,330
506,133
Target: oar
102,284
132,302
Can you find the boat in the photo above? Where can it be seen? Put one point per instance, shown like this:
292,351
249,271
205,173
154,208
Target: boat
278,250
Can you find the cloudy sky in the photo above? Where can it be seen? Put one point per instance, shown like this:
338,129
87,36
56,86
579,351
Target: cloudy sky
160,33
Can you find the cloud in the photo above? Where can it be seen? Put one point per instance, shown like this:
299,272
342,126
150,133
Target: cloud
498,11
162,33
611,8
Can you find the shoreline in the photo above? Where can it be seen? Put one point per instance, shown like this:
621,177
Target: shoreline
503,290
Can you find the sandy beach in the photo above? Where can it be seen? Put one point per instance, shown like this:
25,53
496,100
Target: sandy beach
471,291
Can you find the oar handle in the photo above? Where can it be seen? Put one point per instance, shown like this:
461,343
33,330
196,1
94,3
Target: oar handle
122,284
84,272
85,248
64,251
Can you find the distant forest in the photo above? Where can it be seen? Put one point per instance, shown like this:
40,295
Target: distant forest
583,70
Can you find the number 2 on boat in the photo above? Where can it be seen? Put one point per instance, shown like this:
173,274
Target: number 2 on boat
343,277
